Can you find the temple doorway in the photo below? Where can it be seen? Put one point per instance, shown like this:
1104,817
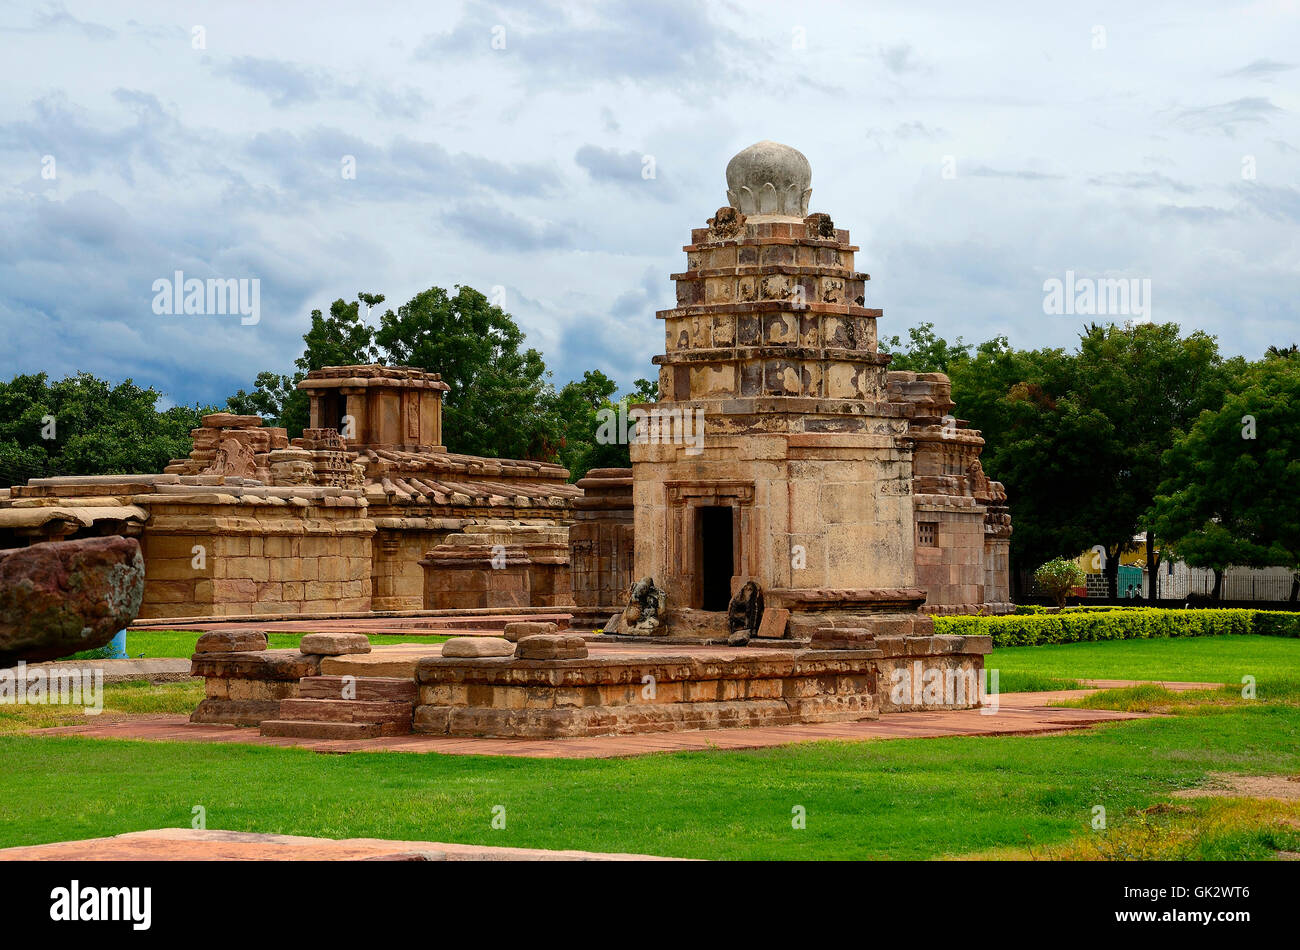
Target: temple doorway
716,551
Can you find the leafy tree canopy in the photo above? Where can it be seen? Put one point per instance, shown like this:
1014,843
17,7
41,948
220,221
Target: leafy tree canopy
499,393
83,425
1230,483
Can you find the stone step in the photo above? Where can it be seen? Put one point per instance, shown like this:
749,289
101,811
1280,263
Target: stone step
299,729
383,688
387,714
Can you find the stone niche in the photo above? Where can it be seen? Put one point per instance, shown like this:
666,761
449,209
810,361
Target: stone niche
400,544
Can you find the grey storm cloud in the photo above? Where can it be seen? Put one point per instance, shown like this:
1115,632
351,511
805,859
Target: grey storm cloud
627,169
1227,117
54,17
918,130
1141,181
608,164
78,275
495,227
602,338
984,171
673,40
286,84
899,59
289,84
1279,202
72,136
1197,214
309,165
1261,69
362,151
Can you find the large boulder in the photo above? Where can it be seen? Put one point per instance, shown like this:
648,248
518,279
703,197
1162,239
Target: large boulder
60,597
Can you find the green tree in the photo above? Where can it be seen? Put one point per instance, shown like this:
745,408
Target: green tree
1078,439
1230,483
575,409
342,338
1150,382
644,390
277,400
83,425
925,351
1057,578
499,393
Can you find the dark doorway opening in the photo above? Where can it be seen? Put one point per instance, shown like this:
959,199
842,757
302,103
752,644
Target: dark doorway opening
717,563
333,410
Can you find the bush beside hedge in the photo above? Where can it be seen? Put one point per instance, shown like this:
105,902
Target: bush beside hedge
1021,630
1040,609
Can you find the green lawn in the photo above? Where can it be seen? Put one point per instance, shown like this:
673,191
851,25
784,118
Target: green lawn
922,798
119,698
900,799
1223,659
180,643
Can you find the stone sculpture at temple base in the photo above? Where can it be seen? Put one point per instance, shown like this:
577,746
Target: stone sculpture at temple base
646,604
745,613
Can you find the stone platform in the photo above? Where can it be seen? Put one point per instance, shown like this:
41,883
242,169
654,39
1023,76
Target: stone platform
636,689
1017,714
616,689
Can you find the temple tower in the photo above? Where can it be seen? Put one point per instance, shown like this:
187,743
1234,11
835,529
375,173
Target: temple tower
801,477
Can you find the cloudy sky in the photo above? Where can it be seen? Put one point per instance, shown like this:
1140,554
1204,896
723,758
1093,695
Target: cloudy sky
973,150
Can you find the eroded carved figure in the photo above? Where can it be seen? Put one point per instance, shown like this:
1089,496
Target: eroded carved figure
744,613
645,605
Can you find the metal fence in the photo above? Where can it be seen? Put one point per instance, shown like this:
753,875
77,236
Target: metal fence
1242,585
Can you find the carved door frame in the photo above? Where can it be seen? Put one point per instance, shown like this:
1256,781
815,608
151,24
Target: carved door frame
682,532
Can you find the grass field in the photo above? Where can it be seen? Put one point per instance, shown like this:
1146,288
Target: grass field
1223,659
919,798
924,798
153,644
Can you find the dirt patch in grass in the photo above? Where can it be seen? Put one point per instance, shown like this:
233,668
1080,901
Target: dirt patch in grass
120,700
1229,785
1211,829
1156,698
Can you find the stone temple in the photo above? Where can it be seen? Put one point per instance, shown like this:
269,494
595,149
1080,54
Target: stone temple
794,516
827,480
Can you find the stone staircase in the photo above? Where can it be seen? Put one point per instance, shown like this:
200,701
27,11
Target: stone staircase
377,706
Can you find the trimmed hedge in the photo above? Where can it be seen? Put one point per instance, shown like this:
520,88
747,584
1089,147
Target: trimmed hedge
1023,630
1039,609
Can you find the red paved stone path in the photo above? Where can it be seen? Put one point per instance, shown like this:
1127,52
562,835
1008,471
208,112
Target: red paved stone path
184,844
1018,714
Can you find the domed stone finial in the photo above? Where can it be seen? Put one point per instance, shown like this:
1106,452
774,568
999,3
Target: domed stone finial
769,178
